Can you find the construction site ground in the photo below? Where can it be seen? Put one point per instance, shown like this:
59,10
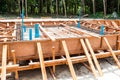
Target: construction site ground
109,68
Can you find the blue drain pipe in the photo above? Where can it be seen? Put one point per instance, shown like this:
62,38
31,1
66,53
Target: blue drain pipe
102,30
30,34
37,31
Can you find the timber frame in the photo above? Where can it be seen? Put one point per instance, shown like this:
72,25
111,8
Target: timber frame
61,43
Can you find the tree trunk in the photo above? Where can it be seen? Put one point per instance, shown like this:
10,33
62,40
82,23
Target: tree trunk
75,9
104,4
51,6
22,4
94,11
26,8
56,7
118,5
64,8
19,7
40,6
83,6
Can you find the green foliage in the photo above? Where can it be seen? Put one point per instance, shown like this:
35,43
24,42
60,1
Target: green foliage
97,15
73,7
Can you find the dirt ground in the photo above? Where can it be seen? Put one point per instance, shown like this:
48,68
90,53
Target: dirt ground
109,68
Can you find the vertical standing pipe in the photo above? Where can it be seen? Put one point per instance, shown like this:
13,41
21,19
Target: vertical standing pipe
24,27
78,25
30,34
37,33
102,30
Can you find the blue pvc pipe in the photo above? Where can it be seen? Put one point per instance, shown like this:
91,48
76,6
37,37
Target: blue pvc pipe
24,28
37,31
78,25
102,30
30,34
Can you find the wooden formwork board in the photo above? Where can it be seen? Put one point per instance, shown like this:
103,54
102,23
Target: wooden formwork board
28,48
43,22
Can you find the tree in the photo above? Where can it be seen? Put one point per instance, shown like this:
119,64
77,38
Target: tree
19,7
118,5
64,7
104,4
83,6
93,1
26,8
56,7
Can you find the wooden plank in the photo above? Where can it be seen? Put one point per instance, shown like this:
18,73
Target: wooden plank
114,24
81,31
53,48
113,54
69,60
40,53
94,57
4,62
88,57
15,62
43,30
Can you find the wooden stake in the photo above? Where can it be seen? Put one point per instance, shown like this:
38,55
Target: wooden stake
15,62
87,66
53,53
4,62
52,73
94,57
113,54
40,53
69,60
88,57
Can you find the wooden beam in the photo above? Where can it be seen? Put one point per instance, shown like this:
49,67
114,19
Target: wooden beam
69,60
80,30
75,59
43,30
113,54
53,47
40,53
114,24
15,62
4,62
94,57
88,57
